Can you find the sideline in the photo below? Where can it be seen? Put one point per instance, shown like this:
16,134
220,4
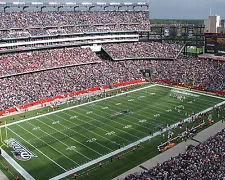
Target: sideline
11,161
193,91
3,176
46,114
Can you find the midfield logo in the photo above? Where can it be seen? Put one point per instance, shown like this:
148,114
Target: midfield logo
21,152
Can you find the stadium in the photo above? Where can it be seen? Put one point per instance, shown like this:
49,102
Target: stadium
96,91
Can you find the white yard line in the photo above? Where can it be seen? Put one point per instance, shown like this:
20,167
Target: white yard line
67,173
93,119
37,150
161,110
107,124
94,162
24,120
86,130
105,99
97,127
110,104
72,139
11,161
47,143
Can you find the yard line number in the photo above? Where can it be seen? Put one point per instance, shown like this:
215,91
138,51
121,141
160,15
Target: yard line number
127,126
142,121
36,128
156,115
55,122
89,112
110,133
71,148
73,117
91,140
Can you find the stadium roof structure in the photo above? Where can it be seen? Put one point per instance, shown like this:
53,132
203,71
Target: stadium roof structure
88,5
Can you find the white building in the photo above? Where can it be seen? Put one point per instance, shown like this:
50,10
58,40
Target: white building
212,24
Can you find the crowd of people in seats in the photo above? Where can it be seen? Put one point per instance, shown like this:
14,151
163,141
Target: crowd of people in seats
60,18
39,31
204,73
133,50
205,161
106,28
26,88
38,23
22,89
15,63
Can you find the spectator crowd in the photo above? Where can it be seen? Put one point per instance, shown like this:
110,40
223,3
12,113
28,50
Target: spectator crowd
134,50
25,24
204,73
205,161
15,63
26,88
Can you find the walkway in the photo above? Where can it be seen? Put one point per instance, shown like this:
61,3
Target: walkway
3,176
19,168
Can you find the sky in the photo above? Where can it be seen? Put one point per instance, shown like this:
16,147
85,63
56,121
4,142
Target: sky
167,9
186,9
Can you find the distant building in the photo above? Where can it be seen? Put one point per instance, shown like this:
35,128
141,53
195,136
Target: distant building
212,24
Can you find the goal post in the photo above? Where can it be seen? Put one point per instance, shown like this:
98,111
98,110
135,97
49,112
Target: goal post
4,135
192,80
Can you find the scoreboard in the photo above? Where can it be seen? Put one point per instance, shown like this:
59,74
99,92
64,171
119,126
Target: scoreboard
215,43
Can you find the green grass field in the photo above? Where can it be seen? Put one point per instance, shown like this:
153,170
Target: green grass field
70,138
195,50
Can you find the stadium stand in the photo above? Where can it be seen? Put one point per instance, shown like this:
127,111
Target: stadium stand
140,50
22,89
19,90
65,22
37,19
28,61
204,73
44,59
34,75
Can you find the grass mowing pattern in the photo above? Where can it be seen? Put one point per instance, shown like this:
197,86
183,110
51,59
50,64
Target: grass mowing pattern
70,138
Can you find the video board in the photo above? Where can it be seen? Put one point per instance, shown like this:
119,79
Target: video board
215,43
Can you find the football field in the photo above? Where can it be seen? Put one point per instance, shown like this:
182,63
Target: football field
64,141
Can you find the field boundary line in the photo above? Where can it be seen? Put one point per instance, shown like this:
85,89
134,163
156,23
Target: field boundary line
193,91
34,117
18,168
86,165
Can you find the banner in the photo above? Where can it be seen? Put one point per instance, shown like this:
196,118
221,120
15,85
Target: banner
190,32
166,31
179,31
